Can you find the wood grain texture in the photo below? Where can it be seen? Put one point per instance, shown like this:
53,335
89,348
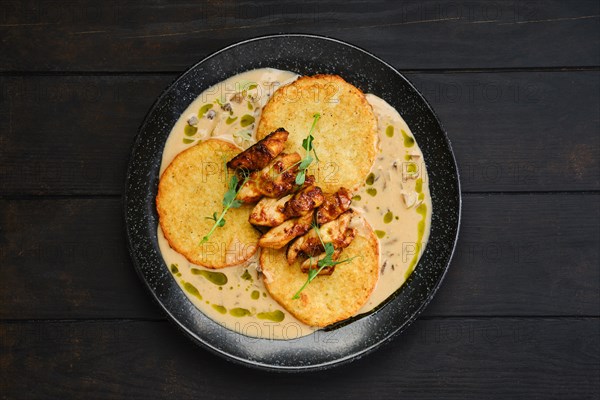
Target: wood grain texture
510,131
515,83
529,255
68,259
461,359
169,36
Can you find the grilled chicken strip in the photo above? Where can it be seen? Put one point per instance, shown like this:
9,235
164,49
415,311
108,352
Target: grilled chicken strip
275,180
303,201
261,153
272,212
269,212
334,232
282,234
312,263
249,192
334,205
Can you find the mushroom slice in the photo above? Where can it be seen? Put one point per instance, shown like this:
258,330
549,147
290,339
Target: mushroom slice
410,198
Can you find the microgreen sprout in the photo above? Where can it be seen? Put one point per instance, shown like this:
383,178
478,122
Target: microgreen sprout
308,146
229,201
323,263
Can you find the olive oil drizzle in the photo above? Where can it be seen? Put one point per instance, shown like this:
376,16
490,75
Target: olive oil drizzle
220,279
421,210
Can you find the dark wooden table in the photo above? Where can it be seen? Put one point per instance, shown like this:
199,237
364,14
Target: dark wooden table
517,86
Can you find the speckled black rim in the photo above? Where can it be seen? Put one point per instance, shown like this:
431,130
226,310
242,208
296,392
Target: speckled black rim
304,54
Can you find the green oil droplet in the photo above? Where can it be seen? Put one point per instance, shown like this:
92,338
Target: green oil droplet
250,106
356,198
239,312
188,141
380,234
191,289
389,131
421,196
419,185
421,210
218,278
174,268
190,130
255,295
411,168
246,275
388,217
230,120
219,309
372,191
204,109
252,86
246,120
275,316
408,141
370,179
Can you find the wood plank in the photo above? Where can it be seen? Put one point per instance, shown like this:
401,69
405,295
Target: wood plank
518,255
68,259
515,131
524,255
169,36
441,358
520,131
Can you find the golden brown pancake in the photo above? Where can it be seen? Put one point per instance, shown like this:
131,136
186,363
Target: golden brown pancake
327,299
191,189
345,135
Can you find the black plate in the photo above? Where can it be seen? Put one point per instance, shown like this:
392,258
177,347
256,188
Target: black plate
305,55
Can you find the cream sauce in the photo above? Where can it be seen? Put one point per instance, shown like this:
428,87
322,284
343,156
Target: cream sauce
235,297
398,178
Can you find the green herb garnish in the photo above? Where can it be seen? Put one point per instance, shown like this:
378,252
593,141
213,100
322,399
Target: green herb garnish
308,146
323,263
229,201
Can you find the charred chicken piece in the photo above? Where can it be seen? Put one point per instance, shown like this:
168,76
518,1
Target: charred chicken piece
282,234
334,205
306,199
275,180
279,177
269,212
313,262
335,232
260,154
249,192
